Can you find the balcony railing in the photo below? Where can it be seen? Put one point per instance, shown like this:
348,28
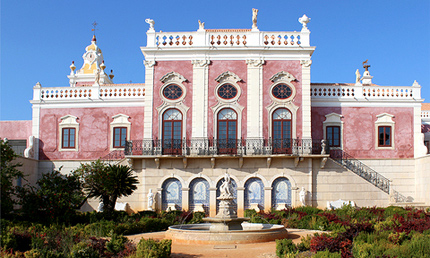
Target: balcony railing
235,147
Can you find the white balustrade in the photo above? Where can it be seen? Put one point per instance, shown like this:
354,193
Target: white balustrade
425,114
227,38
92,92
346,91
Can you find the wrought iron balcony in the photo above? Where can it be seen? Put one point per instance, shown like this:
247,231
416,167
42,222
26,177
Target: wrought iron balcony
233,147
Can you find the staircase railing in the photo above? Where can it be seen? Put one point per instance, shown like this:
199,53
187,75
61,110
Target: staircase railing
113,156
359,168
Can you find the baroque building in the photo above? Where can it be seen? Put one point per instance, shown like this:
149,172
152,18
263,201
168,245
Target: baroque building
239,101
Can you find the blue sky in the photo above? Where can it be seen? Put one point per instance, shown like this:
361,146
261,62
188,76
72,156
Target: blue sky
40,39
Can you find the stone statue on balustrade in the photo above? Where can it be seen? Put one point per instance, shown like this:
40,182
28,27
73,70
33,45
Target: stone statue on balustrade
254,18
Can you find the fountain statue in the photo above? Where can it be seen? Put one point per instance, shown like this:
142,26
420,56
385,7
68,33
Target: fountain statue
225,227
226,219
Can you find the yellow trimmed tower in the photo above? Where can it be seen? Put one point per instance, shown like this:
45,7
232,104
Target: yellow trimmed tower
92,72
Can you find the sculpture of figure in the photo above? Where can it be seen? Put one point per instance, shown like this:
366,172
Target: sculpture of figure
225,188
97,80
357,76
323,144
151,23
150,196
303,196
201,25
254,18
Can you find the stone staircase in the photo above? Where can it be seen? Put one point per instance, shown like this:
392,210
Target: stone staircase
347,161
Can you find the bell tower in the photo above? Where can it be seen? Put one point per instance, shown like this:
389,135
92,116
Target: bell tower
92,71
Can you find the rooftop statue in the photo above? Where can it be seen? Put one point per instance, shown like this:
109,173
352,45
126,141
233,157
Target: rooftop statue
254,18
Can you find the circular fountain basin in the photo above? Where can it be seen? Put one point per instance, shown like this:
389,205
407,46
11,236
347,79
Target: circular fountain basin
201,234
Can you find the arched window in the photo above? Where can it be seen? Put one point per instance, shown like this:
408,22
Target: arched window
172,132
281,134
227,131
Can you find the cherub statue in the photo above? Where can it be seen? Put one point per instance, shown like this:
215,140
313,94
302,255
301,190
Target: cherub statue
151,23
225,188
254,18
201,25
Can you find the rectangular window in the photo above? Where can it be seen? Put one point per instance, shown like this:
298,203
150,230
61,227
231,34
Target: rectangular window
333,136
384,136
119,137
68,141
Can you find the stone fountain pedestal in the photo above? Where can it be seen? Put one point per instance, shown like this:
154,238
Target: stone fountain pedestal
226,219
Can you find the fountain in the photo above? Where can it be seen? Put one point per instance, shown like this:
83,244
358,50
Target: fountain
225,227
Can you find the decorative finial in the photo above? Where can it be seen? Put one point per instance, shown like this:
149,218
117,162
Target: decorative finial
111,74
103,66
94,29
304,20
365,65
73,67
151,23
201,26
254,18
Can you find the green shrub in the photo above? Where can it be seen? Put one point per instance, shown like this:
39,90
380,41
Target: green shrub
84,250
149,248
285,247
305,243
326,254
309,210
116,243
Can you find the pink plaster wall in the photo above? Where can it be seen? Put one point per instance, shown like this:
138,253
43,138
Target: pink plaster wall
359,130
94,131
184,68
271,68
15,130
216,68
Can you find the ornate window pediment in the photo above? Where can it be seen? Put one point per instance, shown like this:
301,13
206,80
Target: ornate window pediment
283,76
228,76
172,76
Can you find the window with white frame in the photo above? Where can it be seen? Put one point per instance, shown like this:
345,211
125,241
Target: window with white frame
69,132
384,132
120,131
333,130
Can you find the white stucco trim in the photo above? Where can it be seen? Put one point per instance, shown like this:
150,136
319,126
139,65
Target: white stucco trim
68,121
385,120
333,119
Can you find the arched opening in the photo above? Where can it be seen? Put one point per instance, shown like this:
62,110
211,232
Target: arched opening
281,193
199,195
218,193
254,193
171,195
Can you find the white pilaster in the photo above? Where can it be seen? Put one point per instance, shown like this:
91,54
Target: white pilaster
200,98
35,120
306,99
255,98
149,94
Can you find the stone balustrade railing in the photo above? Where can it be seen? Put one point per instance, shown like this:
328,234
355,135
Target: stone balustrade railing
350,91
425,114
228,38
91,92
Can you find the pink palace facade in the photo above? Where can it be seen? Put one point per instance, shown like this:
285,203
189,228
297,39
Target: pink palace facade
238,101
